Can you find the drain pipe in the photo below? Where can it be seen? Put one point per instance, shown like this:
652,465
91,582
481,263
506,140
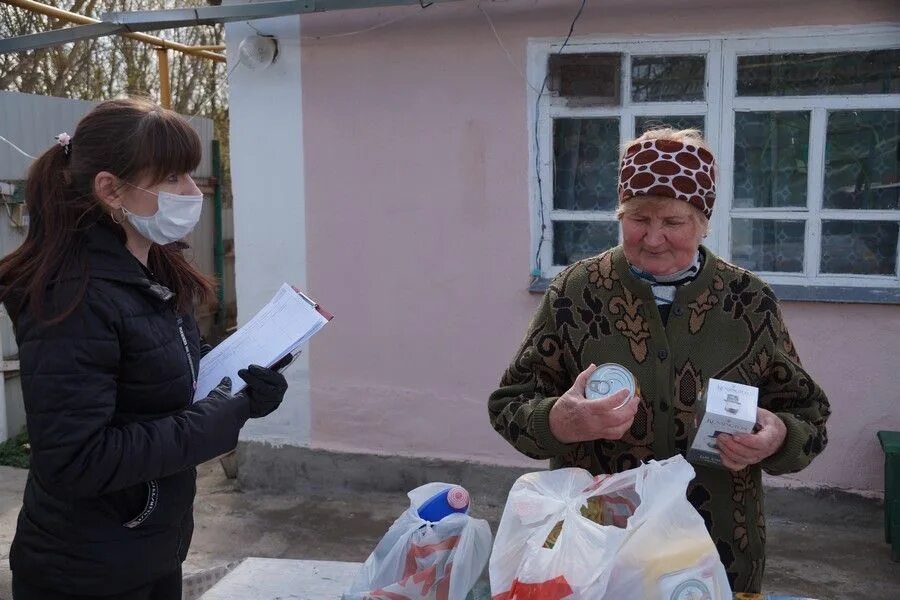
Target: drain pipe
218,239
4,427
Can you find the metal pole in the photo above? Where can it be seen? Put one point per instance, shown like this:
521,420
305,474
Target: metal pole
70,17
218,241
4,428
165,93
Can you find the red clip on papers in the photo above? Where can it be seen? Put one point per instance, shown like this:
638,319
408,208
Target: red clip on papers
328,316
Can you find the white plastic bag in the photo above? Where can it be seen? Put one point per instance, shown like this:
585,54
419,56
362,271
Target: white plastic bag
650,542
420,560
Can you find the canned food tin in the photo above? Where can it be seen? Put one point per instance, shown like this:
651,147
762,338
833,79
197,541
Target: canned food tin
608,379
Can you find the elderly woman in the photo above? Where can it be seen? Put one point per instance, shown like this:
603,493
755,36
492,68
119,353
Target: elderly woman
675,315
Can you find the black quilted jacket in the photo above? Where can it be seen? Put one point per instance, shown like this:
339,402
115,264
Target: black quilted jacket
114,436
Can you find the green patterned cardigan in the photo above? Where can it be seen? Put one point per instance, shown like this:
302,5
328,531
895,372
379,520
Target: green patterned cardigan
726,324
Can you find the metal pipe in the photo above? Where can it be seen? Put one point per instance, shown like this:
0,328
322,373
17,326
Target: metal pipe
70,17
4,427
52,11
151,20
218,239
165,93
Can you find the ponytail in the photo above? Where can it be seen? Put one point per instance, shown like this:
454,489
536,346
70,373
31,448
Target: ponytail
48,248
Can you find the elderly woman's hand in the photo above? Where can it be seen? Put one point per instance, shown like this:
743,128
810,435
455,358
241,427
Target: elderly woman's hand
574,418
743,449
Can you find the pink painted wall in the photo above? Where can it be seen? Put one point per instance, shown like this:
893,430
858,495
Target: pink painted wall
416,149
853,351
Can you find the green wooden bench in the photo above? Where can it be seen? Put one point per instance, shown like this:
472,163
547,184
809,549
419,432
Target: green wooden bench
890,443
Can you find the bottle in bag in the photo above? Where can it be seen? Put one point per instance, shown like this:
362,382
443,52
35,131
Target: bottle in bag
452,500
682,569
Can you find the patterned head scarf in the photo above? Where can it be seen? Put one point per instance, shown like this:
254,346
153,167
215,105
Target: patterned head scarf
671,169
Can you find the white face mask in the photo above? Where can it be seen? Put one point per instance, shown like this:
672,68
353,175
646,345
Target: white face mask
175,218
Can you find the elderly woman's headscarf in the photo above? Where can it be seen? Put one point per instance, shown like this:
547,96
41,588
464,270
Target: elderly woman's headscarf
671,169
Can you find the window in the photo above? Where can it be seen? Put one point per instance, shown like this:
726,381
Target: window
631,87
806,129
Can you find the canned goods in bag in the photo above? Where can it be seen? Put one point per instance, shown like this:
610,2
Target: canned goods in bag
608,379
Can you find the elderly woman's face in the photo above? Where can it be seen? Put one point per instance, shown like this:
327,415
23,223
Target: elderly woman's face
660,238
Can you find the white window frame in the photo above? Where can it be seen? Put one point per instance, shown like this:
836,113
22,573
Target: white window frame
719,107
818,107
552,107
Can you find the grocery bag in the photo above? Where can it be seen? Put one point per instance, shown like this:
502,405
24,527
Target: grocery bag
567,535
424,560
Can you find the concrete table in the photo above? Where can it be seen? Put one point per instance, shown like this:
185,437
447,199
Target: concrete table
282,579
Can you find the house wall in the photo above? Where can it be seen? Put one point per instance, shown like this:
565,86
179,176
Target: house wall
269,211
417,218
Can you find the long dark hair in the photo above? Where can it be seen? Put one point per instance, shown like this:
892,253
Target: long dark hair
129,138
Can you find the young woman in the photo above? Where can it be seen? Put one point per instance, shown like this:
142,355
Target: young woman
102,302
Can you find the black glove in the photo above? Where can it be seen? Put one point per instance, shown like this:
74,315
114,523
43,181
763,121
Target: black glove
265,389
222,391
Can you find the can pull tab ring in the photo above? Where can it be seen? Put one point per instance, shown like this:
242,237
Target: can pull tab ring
608,379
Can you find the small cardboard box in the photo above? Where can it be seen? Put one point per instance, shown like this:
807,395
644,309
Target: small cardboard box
726,407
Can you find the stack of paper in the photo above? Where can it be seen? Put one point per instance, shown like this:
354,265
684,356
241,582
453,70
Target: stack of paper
280,328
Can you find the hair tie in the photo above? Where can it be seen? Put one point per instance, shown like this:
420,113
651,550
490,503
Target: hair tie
65,140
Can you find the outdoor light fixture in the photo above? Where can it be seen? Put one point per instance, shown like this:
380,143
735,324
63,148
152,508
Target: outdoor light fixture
257,52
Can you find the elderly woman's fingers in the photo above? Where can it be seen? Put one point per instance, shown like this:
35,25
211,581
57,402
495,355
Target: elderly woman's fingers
731,460
608,418
632,406
737,451
581,381
752,443
607,404
608,424
767,440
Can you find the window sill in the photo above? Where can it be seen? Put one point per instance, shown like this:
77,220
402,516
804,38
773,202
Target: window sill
833,293
803,293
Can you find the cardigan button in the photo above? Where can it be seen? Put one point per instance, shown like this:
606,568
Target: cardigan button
663,354
677,310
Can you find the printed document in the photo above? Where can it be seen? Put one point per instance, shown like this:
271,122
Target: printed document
280,328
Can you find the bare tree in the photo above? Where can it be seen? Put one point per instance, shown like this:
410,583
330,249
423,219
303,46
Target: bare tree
113,66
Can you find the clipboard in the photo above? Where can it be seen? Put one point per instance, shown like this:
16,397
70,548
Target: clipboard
285,361
272,338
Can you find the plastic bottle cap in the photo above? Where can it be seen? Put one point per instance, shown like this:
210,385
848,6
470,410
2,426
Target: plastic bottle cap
458,498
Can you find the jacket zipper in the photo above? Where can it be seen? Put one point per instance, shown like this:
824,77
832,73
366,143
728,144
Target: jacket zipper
187,352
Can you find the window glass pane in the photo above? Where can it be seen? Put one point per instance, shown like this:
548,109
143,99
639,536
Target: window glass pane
768,245
873,72
862,160
586,79
770,159
859,247
585,163
574,240
642,124
668,78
